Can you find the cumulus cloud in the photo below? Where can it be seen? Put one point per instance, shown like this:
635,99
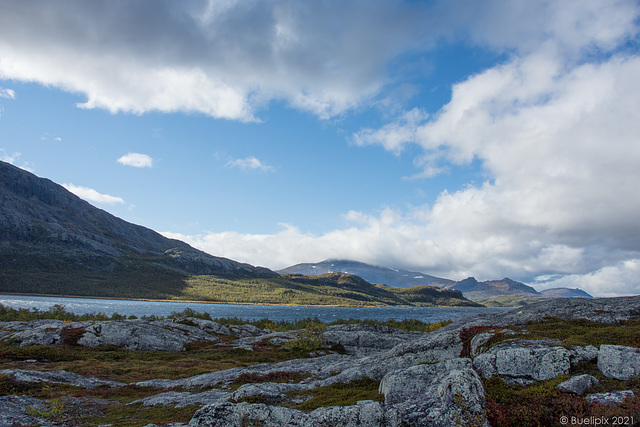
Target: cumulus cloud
250,163
91,195
554,127
223,59
136,160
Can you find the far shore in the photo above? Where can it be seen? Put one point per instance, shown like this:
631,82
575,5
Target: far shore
217,302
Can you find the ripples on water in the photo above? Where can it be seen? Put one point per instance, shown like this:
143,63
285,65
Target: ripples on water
247,312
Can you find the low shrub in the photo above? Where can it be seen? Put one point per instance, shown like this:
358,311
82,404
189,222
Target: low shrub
338,394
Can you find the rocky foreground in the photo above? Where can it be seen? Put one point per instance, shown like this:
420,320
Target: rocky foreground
427,379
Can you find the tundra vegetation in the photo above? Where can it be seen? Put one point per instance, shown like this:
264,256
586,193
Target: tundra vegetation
541,403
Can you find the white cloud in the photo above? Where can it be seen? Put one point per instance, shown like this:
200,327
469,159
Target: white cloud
7,93
9,158
556,132
91,195
136,160
619,279
250,163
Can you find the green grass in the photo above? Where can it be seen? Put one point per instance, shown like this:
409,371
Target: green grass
337,394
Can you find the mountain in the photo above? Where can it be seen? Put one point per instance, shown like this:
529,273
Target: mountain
374,274
46,232
473,289
52,242
507,292
565,293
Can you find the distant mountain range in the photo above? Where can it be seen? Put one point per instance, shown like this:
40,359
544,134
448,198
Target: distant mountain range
52,242
470,287
370,273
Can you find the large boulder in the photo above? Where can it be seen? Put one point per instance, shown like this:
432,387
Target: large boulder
442,394
619,362
524,359
578,384
365,339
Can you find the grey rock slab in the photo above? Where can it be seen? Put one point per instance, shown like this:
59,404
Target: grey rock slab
130,334
364,413
272,338
271,392
524,359
613,398
180,399
319,368
364,339
206,325
443,394
579,354
58,377
619,362
244,331
14,411
578,384
143,335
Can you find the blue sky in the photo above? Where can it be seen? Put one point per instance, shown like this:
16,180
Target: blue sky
457,138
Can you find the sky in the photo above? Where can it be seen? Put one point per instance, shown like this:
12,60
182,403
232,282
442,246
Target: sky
452,137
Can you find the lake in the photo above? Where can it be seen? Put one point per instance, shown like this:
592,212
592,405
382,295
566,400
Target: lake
247,312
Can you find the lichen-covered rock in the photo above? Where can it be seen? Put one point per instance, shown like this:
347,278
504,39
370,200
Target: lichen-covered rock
443,394
143,335
613,398
180,399
275,338
365,339
364,414
58,377
619,362
524,359
579,354
271,393
14,411
40,332
130,334
578,384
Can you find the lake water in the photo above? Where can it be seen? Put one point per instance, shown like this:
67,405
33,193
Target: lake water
247,312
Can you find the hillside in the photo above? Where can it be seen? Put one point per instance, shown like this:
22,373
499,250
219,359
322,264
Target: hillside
374,274
565,293
52,242
492,288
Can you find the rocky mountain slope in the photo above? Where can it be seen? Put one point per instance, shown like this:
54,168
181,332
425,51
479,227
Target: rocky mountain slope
565,293
492,288
48,232
52,242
